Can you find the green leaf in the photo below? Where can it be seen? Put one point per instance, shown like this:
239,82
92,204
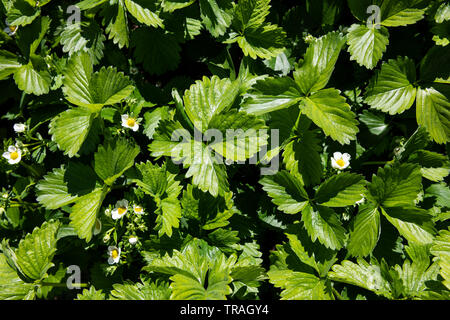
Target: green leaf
300,285
215,16
323,224
392,89
396,185
8,64
441,250
138,291
412,223
52,190
117,23
31,80
286,191
170,215
199,272
302,156
22,13
341,190
361,274
272,94
318,64
209,97
433,112
70,129
83,37
242,135
157,50
365,232
396,13
114,158
153,179
441,192
172,5
84,88
35,252
91,294
329,111
435,166
375,122
84,213
12,287
367,45
143,15
153,118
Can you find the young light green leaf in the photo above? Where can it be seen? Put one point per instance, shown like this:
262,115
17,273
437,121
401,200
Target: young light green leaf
52,190
138,291
12,287
441,250
31,80
143,15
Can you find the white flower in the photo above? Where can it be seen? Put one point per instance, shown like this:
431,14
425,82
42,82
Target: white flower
97,227
138,209
130,122
13,155
114,254
120,210
133,239
19,127
340,161
10,30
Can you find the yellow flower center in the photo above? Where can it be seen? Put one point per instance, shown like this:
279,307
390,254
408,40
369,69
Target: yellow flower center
131,122
114,253
121,210
14,155
340,162
137,209
13,28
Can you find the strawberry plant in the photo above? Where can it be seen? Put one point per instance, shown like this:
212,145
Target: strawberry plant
225,149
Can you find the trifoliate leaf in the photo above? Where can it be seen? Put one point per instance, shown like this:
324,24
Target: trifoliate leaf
367,45
396,185
286,191
70,129
319,62
341,190
433,112
323,224
114,158
392,88
365,232
84,213
35,252
329,111
208,97
199,272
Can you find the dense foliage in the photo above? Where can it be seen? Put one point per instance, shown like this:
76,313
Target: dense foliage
140,142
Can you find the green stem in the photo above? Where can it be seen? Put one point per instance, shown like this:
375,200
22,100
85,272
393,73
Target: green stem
337,294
